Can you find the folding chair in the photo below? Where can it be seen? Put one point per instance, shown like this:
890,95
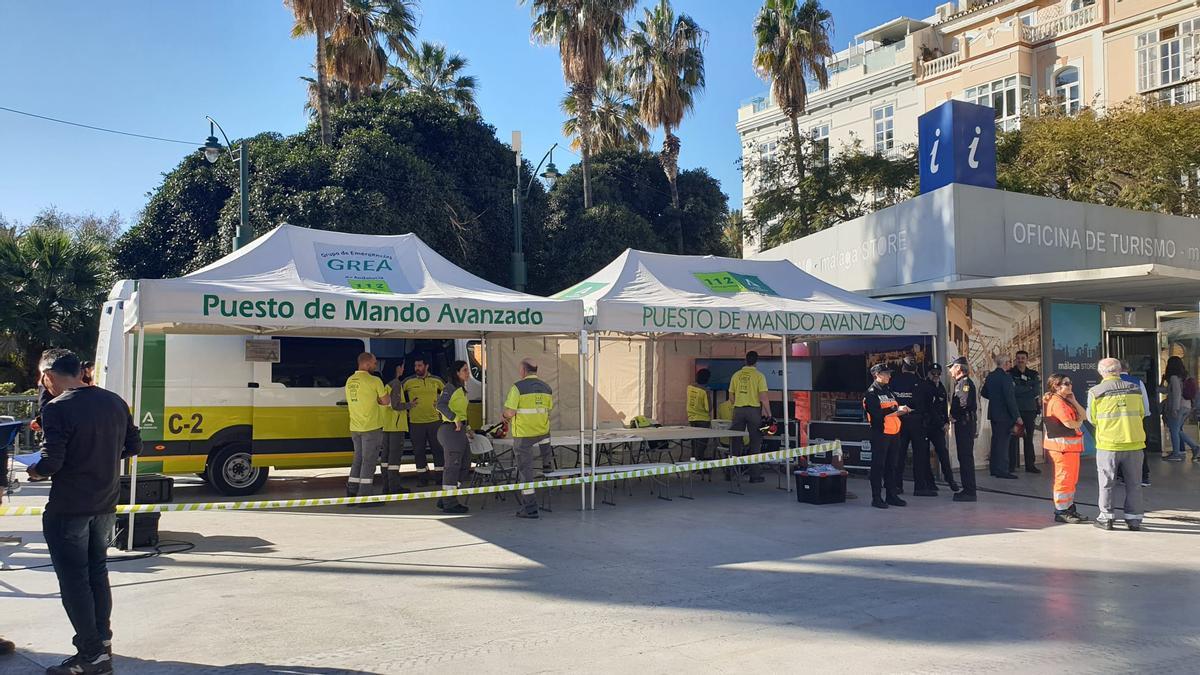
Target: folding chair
489,467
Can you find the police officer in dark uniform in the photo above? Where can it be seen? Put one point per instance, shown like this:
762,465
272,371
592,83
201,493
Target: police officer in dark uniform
964,413
884,414
937,421
913,391
1027,388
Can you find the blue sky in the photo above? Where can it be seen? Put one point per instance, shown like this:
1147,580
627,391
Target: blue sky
157,67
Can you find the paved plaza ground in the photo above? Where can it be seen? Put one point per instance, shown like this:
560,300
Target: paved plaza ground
751,583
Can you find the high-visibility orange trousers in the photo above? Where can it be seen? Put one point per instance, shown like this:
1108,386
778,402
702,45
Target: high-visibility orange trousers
1066,476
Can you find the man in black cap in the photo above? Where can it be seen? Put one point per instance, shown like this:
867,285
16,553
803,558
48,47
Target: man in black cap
884,413
964,412
913,391
937,421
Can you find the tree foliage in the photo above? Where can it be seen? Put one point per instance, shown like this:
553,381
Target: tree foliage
849,184
56,275
632,210
431,71
1134,156
394,164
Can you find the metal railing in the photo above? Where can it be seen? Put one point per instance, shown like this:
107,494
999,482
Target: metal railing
940,65
1042,32
21,408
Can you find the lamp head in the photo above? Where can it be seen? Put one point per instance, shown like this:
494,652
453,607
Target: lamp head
212,149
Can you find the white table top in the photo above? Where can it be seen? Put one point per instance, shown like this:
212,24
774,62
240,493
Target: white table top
570,437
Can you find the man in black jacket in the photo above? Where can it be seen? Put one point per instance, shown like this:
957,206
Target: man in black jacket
964,408
884,414
1027,388
86,432
1002,413
937,422
912,391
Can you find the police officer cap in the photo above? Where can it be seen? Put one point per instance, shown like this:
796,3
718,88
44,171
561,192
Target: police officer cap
880,368
935,367
960,361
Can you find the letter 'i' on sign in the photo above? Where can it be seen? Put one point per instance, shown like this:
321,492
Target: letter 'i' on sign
957,144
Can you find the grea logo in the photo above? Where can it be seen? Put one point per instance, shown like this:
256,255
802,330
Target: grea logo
359,265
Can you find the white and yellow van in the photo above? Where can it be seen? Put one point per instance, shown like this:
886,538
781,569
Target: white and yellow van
208,410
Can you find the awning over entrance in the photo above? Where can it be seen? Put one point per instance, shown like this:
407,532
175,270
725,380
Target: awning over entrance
1161,285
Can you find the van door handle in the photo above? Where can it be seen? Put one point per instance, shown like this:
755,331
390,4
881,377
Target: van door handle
252,385
342,403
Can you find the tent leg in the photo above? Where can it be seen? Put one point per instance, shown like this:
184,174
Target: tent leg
595,409
139,361
787,436
583,345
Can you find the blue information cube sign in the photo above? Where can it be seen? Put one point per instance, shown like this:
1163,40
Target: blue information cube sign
957,142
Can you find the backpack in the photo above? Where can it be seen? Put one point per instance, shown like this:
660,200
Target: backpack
1189,389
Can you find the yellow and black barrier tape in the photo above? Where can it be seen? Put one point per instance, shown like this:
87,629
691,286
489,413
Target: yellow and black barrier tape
682,467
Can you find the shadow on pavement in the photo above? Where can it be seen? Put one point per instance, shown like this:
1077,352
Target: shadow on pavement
32,663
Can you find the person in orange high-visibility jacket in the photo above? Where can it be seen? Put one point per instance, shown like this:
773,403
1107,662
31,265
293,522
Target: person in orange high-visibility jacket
884,413
1063,417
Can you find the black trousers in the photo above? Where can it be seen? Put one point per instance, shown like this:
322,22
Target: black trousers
78,548
998,458
885,456
937,438
964,445
1014,462
912,435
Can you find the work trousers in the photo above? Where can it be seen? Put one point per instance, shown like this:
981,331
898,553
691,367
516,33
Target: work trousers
748,419
937,439
425,434
885,455
1028,417
964,446
525,449
458,457
393,443
912,434
700,445
78,548
368,448
1128,462
998,458
1066,477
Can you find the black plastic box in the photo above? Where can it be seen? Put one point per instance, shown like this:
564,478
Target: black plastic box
827,489
152,488
145,530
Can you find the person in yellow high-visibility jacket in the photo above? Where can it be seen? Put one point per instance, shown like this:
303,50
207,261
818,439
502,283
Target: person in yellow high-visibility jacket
699,411
395,426
748,391
527,410
1116,408
365,398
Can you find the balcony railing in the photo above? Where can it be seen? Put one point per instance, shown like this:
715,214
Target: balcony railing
940,65
1067,23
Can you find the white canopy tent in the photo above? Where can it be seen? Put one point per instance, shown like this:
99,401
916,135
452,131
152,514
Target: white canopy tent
296,280
317,282
657,294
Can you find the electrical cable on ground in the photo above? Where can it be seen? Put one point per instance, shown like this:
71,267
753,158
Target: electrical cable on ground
183,547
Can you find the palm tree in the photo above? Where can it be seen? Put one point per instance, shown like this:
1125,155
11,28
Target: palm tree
666,72
336,93
615,121
586,31
431,72
365,31
55,284
317,17
734,233
792,43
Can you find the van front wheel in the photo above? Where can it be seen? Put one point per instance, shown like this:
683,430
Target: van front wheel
230,471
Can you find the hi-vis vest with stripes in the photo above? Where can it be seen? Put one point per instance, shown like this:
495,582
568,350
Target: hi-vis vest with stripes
1117,411
888,403
1058,436
533,400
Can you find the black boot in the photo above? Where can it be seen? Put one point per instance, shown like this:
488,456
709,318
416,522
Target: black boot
894,500
878,503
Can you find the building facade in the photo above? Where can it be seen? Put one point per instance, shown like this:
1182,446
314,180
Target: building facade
1015,56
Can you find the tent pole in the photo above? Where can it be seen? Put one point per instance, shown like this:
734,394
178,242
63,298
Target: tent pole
483,415
787,435
595,411
583,345
139,359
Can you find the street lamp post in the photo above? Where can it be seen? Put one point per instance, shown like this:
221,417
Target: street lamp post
212,152
519,195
